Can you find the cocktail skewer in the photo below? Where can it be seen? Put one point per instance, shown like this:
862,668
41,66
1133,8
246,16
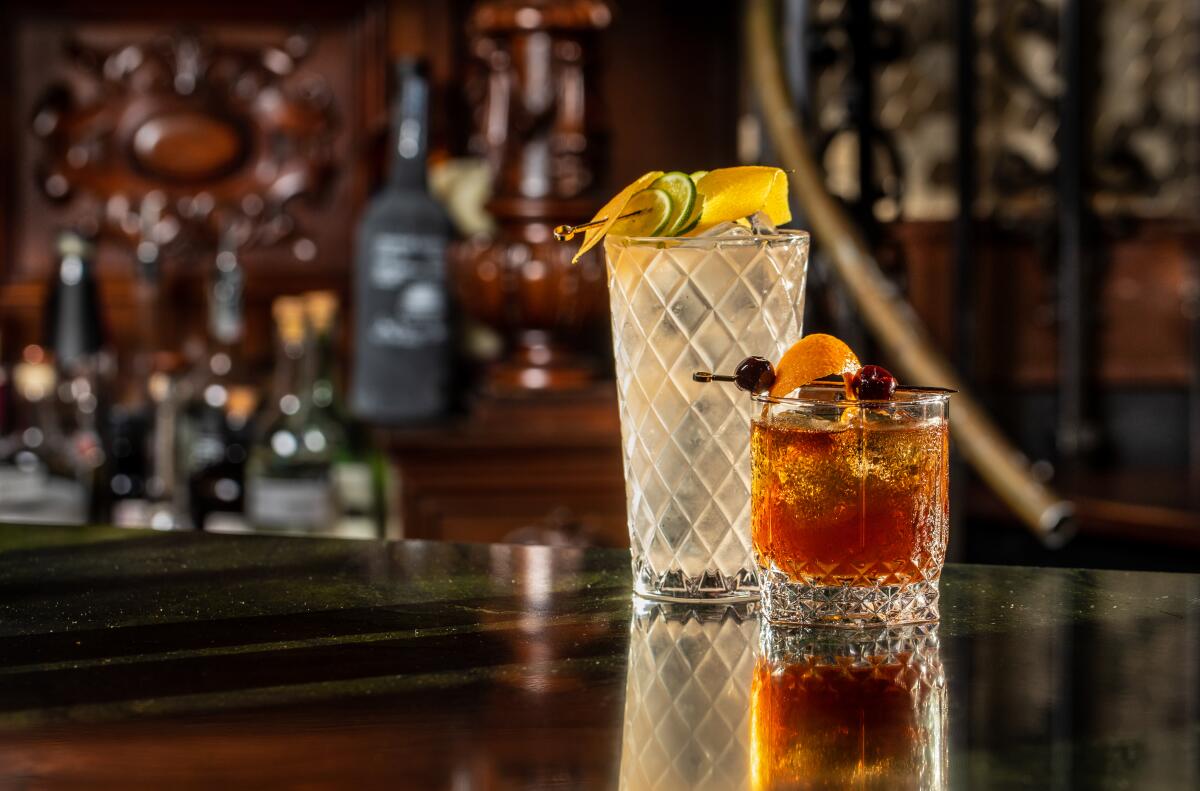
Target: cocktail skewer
917,388
708,376
564,233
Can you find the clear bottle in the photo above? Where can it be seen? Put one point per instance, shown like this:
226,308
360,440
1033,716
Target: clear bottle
403,337
321,312
210,446
358,470
289,480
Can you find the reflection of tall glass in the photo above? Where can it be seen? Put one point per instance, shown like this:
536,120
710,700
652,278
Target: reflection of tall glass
837,709
681,305
687,698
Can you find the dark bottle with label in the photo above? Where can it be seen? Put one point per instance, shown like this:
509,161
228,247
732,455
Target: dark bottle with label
74,329
84,366
403,336
211,430
4,408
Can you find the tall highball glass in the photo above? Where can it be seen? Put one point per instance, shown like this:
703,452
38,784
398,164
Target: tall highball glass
681,305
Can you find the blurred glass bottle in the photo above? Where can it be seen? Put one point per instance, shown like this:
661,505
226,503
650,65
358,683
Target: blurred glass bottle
218,490
84,367
403,338
211,421
321,313
143,449
358,470
38,481
289,479
143,415
5,409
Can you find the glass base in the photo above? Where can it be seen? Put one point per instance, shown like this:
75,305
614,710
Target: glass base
912,644
710,587
794,603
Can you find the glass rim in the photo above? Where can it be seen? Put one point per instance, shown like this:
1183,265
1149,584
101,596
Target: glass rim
911,398
781,236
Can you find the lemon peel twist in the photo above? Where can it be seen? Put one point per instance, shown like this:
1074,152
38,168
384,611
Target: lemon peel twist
723,195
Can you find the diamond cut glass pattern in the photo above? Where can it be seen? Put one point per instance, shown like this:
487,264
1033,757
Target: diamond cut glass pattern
680,305
850,507
687,697
862,709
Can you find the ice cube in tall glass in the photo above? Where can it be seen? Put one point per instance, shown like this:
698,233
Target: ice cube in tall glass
681,305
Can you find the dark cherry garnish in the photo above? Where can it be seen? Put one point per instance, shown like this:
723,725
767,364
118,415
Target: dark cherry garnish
754,375
873,383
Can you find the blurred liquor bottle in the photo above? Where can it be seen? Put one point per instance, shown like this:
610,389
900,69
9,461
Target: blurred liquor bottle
129,438
215,403
38,482
290,476
5,409
84,369
144,433
358,469
403,338
142,421
217,490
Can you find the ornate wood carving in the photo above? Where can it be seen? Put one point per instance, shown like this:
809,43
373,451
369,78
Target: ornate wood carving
266,135
179,140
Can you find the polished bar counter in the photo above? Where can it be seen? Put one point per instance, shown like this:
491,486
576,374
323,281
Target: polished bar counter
135,659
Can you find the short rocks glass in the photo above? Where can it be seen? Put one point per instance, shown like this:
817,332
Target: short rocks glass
850,506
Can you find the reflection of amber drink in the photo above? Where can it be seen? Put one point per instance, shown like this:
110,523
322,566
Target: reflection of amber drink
865,721
850,509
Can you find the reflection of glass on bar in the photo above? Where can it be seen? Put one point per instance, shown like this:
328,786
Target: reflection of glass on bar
681,305
687,697
838,709
850,513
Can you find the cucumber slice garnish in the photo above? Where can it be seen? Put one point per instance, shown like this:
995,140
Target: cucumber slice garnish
682,190
652,210
694,220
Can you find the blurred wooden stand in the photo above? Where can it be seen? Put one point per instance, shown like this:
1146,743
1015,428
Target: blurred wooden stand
538,458
544,469
539,128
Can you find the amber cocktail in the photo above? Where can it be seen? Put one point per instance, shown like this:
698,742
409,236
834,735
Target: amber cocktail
850,506
866,714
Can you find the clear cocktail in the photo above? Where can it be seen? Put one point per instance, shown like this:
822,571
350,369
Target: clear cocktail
678,305
698,277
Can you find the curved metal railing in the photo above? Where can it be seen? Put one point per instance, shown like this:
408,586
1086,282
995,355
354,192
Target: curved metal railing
886,313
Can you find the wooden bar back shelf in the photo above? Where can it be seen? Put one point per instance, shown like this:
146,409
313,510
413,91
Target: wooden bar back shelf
538,468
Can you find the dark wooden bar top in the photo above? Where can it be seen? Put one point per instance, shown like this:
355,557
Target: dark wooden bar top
133,659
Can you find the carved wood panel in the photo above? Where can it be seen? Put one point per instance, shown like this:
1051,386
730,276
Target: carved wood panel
171,133
176,140
158,127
